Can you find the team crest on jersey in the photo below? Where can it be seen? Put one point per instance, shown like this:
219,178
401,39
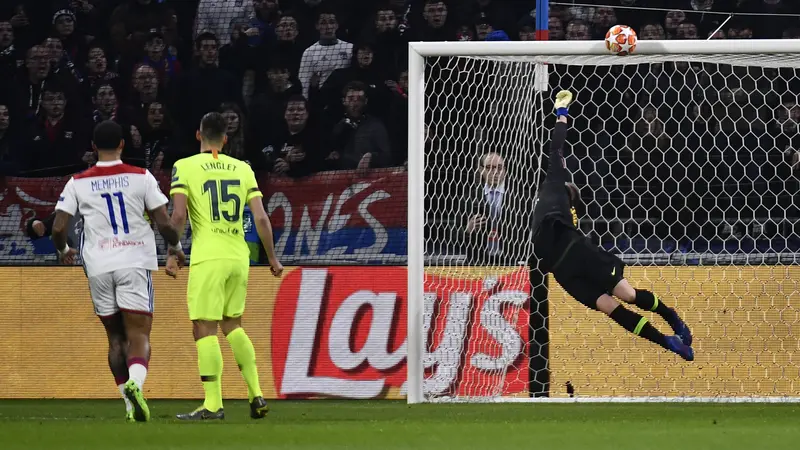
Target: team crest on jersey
68,135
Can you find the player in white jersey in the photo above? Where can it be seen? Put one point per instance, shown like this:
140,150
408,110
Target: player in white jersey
118,250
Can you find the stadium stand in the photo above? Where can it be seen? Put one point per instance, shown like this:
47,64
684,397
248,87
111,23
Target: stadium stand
312,86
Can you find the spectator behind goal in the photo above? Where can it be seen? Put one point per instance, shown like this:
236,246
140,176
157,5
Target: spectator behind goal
360,141
497,215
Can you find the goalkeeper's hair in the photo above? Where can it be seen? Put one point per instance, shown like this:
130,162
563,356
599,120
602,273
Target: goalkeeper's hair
213,127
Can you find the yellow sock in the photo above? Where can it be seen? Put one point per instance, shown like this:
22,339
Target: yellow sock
209,361
245,356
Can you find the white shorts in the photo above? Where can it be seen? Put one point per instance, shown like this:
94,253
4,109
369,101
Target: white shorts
128,290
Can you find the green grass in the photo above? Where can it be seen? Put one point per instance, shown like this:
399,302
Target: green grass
88,425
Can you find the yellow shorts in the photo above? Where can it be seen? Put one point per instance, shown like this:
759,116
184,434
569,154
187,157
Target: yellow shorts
217,289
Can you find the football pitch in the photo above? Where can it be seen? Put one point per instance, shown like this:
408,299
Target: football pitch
328,424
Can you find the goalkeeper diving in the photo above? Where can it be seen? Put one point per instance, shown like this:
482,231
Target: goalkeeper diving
588,273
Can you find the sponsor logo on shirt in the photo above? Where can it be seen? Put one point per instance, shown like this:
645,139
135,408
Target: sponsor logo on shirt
110,244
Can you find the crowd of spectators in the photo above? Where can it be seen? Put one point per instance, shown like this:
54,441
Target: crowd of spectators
308,85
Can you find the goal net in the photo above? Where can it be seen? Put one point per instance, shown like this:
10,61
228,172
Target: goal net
685,158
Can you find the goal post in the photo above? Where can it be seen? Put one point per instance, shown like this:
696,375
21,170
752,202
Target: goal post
713,232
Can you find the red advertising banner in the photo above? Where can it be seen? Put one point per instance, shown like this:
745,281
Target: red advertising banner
329,217
339,216
341,332
318,332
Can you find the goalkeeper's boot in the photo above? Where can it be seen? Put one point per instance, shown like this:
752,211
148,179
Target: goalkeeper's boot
258,408
675,344
134,394
681,329
202,413
129,417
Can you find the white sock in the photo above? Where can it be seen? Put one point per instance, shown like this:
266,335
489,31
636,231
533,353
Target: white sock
128,405
137,373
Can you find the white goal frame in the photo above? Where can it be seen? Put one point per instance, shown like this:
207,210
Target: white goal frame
418,51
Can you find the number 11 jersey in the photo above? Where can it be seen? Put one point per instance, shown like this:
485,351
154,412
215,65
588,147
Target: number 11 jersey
217,191
112,197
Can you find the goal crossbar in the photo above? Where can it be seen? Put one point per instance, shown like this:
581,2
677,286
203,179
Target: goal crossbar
589,48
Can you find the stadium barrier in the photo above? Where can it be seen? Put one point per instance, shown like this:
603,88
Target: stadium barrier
327,218
341,332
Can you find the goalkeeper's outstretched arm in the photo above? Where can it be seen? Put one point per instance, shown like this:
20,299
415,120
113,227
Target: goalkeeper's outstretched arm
556,170
551,198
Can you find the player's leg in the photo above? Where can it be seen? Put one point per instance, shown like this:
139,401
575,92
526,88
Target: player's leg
607,271
588,274
242,346
101,288
205,296
649,301
117,355
640,326
245,355
134,289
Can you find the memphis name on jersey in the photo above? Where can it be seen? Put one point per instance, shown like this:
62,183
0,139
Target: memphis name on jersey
112,198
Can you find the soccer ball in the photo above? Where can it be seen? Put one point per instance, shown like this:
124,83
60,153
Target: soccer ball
621,40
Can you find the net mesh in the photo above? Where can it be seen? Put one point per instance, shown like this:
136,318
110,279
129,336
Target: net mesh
686,170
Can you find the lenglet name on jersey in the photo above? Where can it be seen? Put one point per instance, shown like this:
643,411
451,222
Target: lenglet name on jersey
218,165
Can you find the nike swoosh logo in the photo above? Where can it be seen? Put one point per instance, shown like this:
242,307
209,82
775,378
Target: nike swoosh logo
613,271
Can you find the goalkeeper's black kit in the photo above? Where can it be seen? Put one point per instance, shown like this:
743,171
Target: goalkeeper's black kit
583,269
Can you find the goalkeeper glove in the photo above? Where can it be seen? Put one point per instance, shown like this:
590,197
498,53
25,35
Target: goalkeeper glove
563,99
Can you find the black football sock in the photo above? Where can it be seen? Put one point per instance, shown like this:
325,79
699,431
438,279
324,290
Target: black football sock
637,325
649,301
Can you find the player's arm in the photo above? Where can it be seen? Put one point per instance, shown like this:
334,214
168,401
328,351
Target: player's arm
164,225
175,256
557,170
261,219
179,191
156,203
264,228
178,219
66,208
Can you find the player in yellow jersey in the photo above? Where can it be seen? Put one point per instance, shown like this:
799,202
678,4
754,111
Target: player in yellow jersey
214,188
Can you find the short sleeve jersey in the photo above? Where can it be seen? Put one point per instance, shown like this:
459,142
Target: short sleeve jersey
217,191
113,198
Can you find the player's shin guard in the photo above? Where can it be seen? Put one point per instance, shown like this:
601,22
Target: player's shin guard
649,301
209,361
245,355
638,325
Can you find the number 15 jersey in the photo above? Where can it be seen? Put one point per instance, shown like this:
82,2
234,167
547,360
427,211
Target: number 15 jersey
217,191
112,197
